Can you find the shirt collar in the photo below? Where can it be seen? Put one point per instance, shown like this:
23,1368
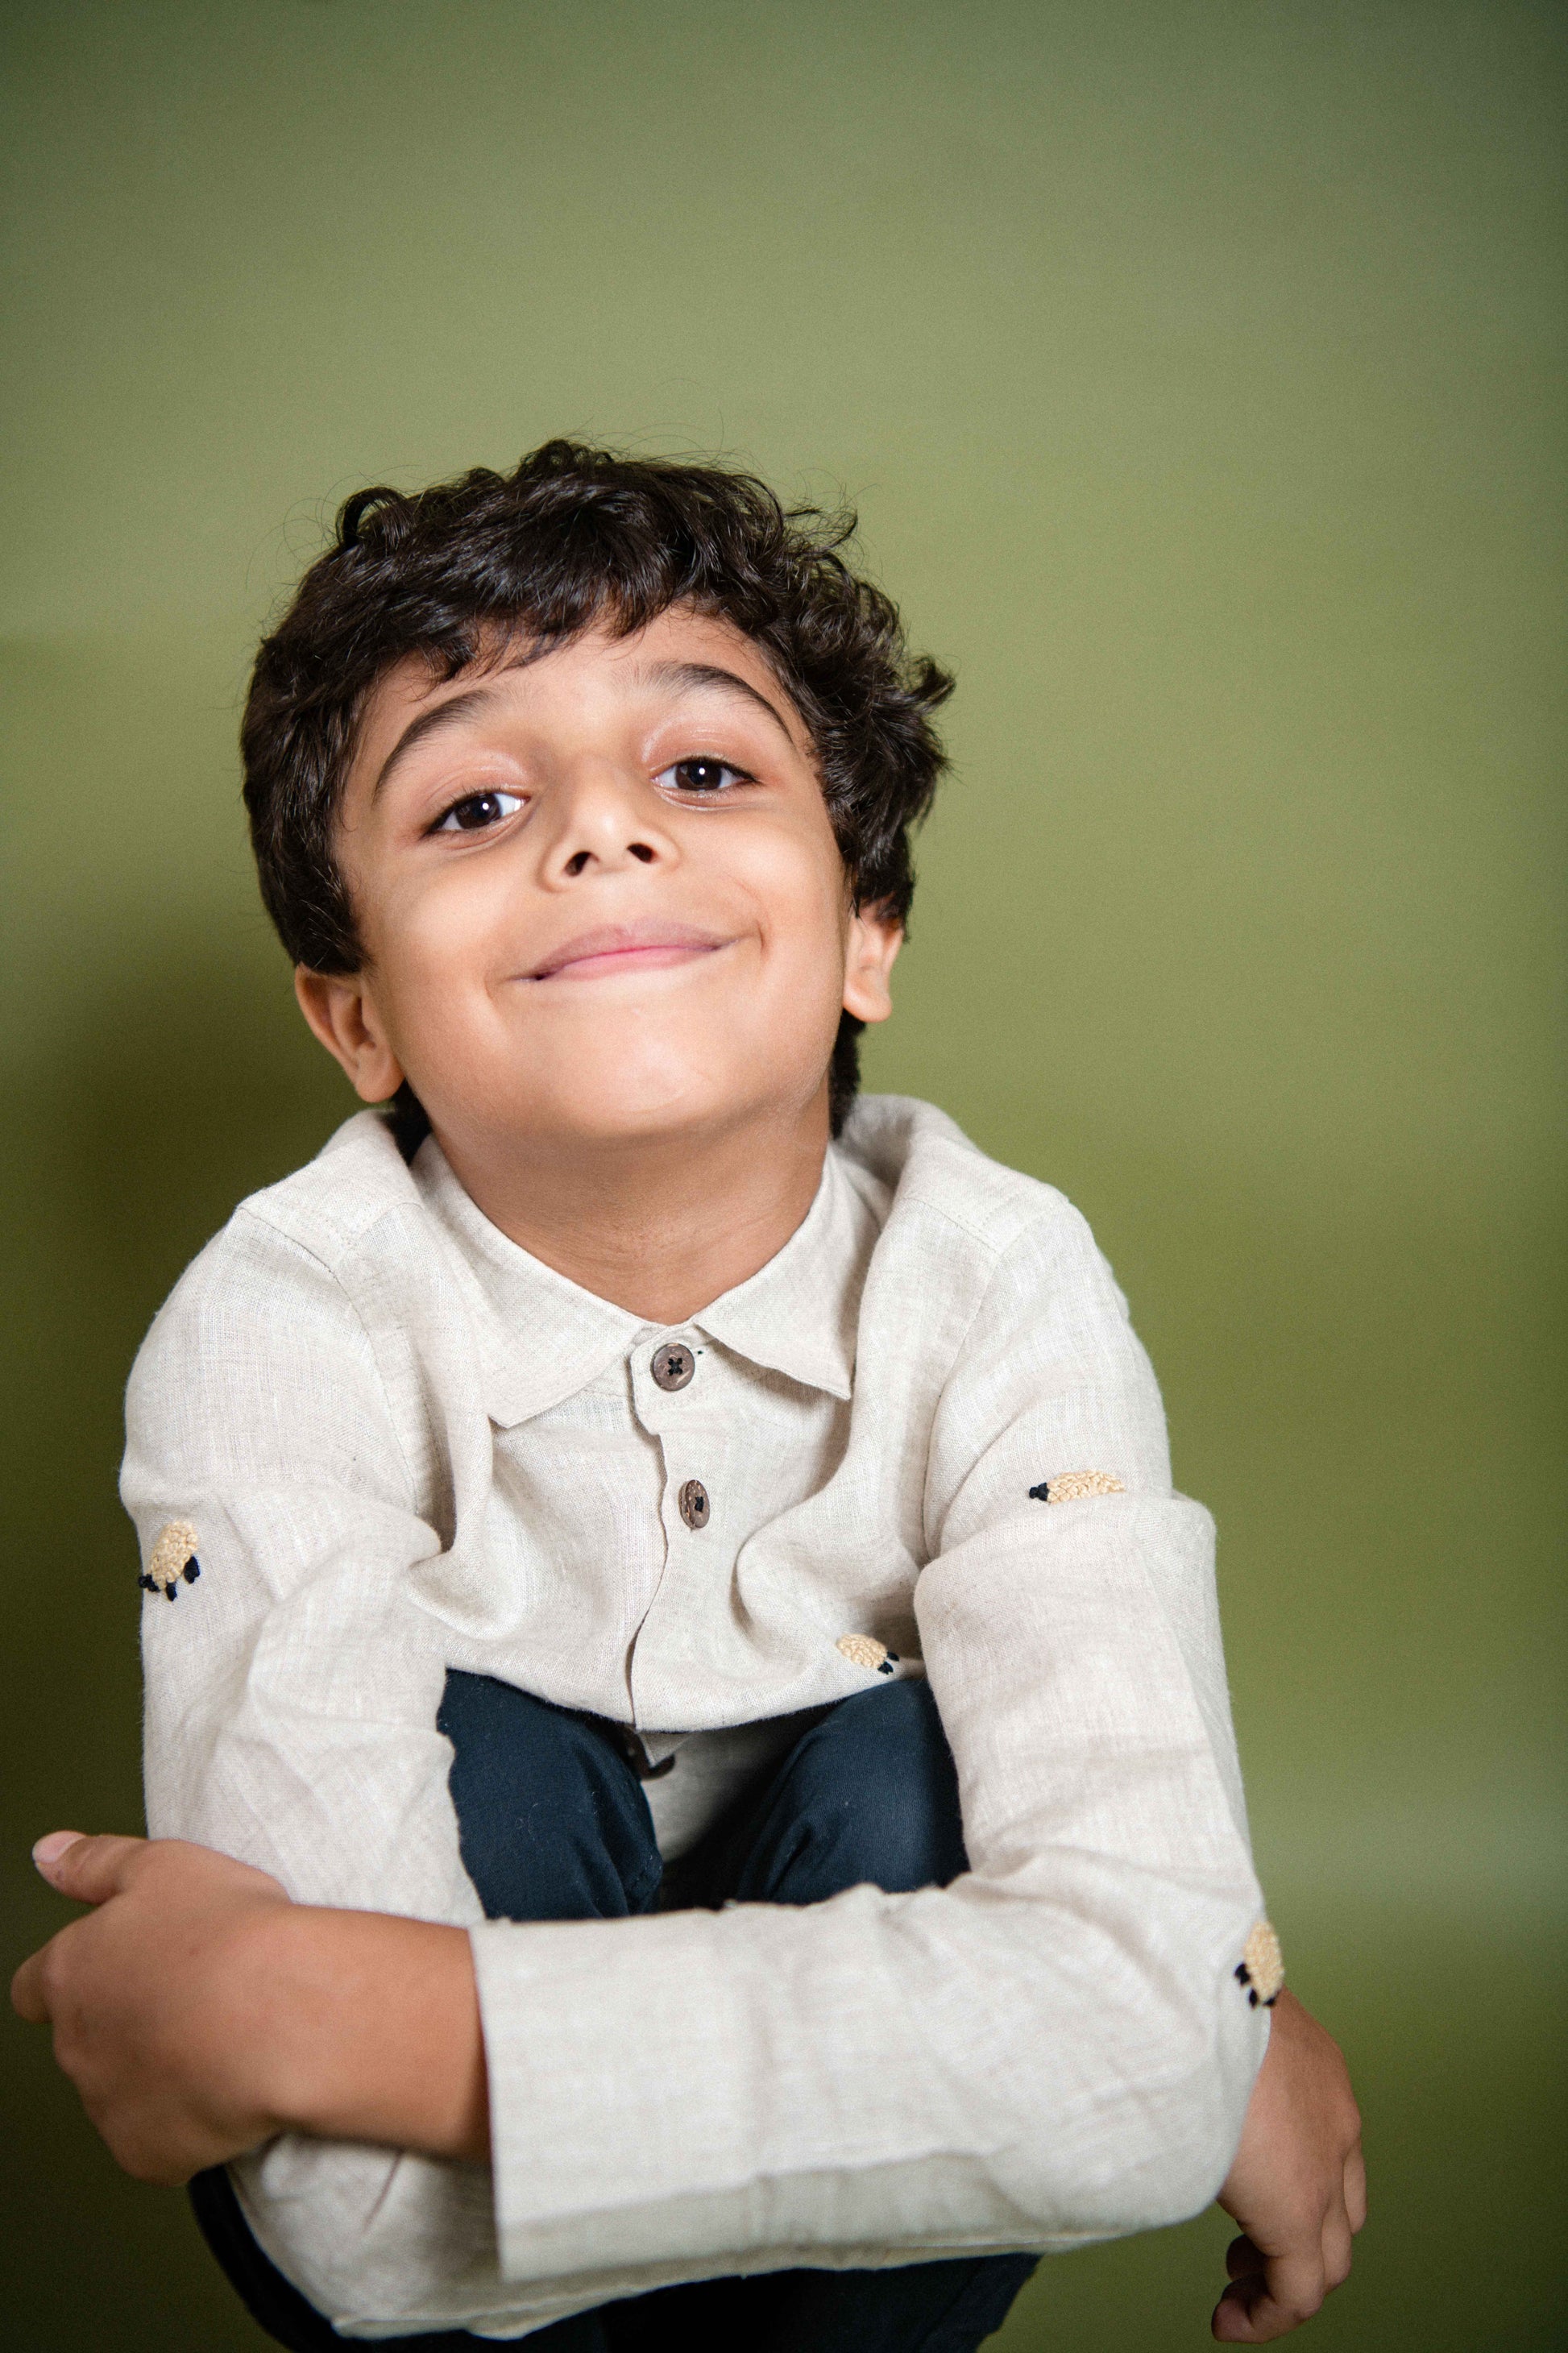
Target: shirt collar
543,1338
798,1314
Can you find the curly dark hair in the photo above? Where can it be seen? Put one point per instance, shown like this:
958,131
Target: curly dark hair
577,536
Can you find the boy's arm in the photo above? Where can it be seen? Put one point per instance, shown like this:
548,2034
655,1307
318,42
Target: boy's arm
293,1686
367,2028
1297,2182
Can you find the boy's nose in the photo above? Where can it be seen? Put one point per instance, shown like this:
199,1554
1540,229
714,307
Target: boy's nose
603,821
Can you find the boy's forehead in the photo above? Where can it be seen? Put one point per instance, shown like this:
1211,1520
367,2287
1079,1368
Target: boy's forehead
671,654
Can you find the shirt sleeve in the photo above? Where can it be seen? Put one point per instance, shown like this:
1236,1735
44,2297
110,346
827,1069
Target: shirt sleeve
290,1697
1054,2049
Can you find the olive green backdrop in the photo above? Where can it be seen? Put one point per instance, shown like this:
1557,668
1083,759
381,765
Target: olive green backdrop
1197,370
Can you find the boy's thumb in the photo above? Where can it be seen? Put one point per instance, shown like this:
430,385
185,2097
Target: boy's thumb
48,1850
88,1870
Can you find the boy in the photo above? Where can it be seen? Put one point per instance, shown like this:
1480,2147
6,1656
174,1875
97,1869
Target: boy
637,1489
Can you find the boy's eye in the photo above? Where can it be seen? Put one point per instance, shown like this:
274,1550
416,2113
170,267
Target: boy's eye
702,774
476,812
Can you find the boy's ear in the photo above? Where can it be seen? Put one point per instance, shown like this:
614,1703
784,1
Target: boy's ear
341,1011
875,935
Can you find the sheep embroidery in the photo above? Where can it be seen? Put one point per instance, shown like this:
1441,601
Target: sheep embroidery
172,1562
1072,1486
865,1651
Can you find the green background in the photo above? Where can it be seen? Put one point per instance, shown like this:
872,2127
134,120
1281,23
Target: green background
1198,373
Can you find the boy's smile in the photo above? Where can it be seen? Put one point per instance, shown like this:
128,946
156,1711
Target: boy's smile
625,947
602,909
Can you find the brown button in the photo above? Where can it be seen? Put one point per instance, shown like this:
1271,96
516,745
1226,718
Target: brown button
673,1366
693,1501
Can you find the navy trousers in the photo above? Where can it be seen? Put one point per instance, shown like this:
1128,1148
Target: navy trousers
555,1826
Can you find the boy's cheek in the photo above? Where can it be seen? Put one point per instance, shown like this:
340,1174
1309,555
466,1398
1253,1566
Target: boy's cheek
429,929
437,960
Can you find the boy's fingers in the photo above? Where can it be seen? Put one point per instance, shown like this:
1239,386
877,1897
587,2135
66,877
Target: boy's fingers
27,1990
1338,2248
1255,2310
1356,2188
90,1870
1270,2295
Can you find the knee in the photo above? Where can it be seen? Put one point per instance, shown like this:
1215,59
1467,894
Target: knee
552,1823
876,1796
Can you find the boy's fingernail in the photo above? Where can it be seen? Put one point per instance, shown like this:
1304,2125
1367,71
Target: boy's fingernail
49,1849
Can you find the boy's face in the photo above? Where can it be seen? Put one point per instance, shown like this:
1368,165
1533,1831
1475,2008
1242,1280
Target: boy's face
599,897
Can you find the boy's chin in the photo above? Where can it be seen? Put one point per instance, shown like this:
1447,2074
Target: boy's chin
614,1116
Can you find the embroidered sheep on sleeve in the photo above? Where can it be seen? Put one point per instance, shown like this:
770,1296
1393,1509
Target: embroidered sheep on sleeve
1073,1486
173,1561
1261,1968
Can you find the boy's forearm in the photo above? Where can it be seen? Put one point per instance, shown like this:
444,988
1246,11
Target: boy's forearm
198,2012
372,2029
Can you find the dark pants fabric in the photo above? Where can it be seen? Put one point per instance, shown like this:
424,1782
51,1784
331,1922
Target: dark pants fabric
555,1826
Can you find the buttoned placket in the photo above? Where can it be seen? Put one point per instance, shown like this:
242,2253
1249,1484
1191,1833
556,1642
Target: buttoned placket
673,1400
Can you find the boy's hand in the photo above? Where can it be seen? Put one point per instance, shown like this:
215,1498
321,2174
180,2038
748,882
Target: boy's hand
146,1996
197,2011
1298,2186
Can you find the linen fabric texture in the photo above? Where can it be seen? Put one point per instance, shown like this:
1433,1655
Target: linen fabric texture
407,1446
555,1825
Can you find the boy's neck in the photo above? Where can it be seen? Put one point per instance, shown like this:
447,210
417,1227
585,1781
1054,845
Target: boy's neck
659,1228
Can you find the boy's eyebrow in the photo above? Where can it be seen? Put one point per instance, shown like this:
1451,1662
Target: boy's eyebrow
679,674
457,708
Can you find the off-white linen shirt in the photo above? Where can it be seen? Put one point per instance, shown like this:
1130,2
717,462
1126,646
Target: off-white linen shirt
392,1442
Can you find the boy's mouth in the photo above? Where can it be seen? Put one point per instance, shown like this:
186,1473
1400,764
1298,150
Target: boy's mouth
625,947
